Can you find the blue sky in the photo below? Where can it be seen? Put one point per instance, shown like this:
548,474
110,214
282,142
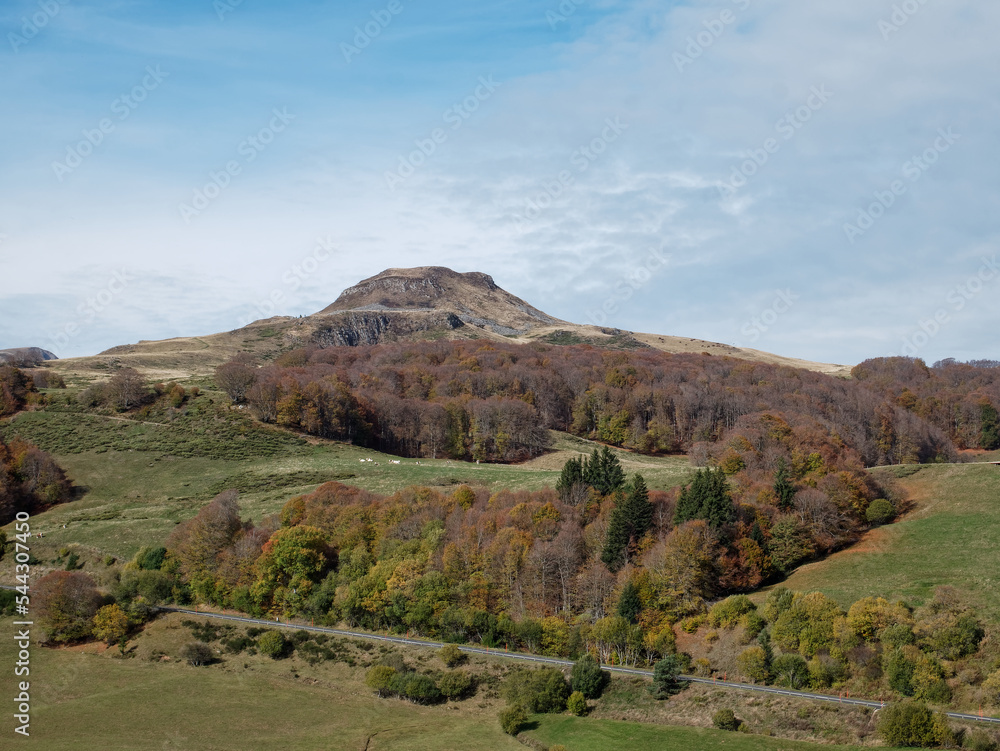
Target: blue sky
813,181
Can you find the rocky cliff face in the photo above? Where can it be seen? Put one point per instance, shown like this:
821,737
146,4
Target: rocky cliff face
473,298
358,328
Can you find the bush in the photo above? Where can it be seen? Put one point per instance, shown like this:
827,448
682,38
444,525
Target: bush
912,724
980,740
880,511
196,653
896,636
512,719
379,678
790,670
577,704
588,678
725,719
727,613
455,684
417,688
752,663
542,690
273,644
451,655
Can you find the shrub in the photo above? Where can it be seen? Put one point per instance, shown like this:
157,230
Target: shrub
577,704
992,688
727,613
455,684
880,511
899,672
752,663
197,653
588,678
725,719
896,636
790,670
980,740
512,719
451,655
273,644
541,690
417,688
379,678
912,724
753,623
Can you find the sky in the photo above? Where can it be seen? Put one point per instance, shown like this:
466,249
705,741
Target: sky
816,180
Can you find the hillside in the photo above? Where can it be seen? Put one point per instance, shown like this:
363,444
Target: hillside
421,303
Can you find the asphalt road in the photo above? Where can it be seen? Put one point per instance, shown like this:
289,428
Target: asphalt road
561,663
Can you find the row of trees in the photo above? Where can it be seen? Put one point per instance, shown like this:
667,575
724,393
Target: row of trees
476,400
959,398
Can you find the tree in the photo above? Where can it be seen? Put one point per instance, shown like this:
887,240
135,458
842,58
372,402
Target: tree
783,488
899,672
126,389
111,625
587,677
197,653
666,675
910,723
603,472
541,690
236,379
198,542
570,479
629,604
754,664
708,498
577,704
66,603
630,520
989,434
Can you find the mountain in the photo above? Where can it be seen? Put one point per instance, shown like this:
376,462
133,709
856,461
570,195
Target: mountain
25,356
426,302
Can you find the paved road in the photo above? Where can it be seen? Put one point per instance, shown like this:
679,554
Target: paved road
561,663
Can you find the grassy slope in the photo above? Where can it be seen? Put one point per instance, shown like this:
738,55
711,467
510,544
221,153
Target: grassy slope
948,538
84,701
586,734
139,479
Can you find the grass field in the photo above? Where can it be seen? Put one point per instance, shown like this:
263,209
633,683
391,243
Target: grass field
83,701
586,734
950,537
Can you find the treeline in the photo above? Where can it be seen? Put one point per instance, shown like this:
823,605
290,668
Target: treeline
959,398
494,401
30,480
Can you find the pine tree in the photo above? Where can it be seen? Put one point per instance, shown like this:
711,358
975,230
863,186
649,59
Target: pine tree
603,472
783,487
629,604
989,435
708,498
572,475
630,520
